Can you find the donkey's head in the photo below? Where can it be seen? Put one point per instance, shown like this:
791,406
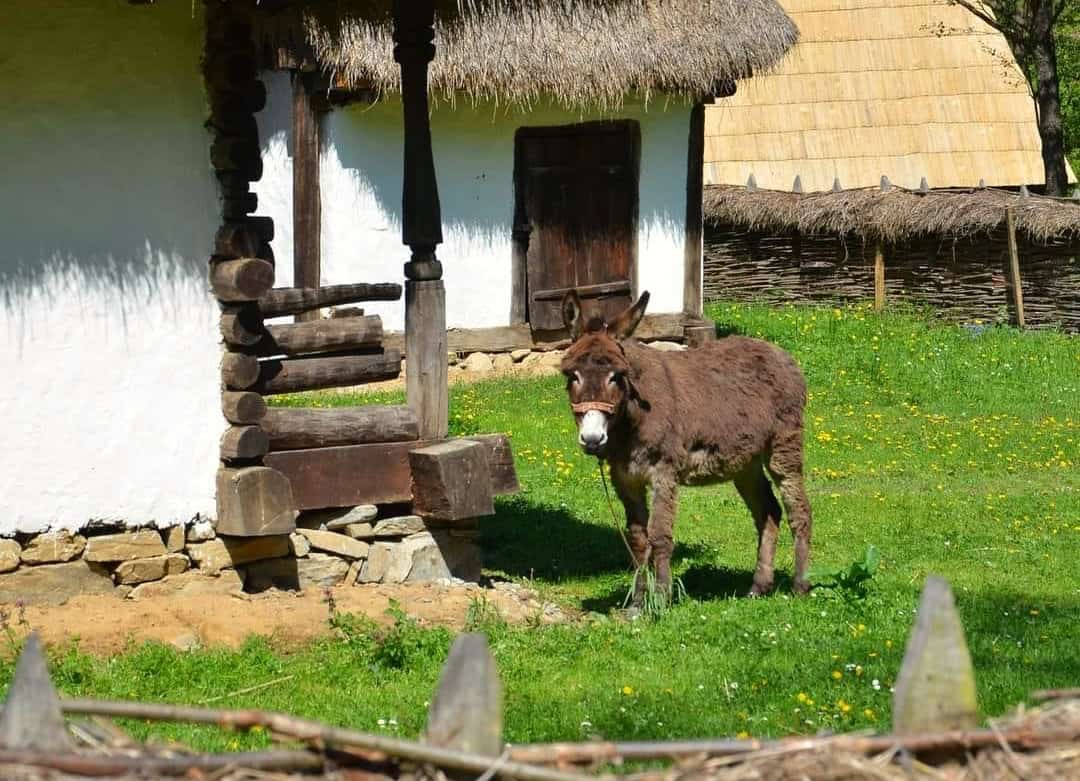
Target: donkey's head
598,374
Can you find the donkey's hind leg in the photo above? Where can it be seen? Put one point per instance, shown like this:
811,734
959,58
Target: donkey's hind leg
786,467
756,492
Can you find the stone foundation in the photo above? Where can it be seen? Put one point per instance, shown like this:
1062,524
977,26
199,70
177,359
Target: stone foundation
330,548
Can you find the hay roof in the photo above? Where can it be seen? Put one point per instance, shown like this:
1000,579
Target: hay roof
894,215
904,88
582,53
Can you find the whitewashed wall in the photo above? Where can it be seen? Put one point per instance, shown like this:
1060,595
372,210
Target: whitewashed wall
474,158
108,336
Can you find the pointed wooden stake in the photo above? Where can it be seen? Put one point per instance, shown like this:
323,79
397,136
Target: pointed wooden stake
982,184
751,183
924,186
1024,192
796,187
885,184
836,187
466,712
935,690
1016,286
879,275
32,719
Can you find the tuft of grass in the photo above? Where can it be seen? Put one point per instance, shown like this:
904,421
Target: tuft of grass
953,451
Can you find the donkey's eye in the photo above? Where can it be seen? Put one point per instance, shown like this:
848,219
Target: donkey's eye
572,376
614,378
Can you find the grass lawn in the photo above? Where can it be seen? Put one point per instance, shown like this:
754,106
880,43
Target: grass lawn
952,451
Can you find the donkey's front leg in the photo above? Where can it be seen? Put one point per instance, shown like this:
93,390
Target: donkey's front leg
662,528
632,494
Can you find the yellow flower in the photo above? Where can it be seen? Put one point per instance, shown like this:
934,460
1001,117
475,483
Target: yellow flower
802,697
743,735
627,690
837,675
845,707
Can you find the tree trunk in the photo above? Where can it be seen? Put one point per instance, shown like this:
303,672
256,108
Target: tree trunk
1048,99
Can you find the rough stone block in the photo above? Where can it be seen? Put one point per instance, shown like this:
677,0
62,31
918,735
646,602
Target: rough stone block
140,570
299,545
451,480
10,555
502,362
316,571
176,563
175,539
517,356
54,584
201,531
124,546
401,526
191,583
53,547
338,544
338,518
222,553
387,562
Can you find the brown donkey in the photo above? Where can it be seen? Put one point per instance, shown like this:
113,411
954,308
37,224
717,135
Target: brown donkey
729,410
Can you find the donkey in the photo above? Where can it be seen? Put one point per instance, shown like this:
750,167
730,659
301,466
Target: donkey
729,410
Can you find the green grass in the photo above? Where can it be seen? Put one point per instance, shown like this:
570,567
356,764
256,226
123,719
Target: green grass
952,451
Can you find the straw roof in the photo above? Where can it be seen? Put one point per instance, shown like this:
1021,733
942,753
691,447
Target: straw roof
893,215
902,88
582,53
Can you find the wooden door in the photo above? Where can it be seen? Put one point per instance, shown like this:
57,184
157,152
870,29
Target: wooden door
577,202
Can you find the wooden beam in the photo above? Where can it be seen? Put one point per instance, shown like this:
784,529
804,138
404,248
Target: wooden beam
235,153
238,240
586,291
244,443
879,275
451,481
503,339
243,279
254,501
322,336
293,300
249,97
692,242
239,371
1015,283
332,371
425,342
242,325
292,428
373,474
307,205
242,407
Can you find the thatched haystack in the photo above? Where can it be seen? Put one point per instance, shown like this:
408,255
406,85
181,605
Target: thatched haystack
915,89
893,215
579,52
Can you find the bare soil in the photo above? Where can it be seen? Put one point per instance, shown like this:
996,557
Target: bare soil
193,614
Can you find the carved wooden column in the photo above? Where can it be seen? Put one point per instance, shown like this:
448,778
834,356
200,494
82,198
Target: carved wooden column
425,295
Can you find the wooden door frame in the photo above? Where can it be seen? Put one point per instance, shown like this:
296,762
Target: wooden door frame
519,291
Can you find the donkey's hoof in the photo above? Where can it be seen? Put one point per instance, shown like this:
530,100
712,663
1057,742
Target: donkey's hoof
801,588
759,591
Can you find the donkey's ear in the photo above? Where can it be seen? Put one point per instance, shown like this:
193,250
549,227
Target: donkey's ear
571,314
627,321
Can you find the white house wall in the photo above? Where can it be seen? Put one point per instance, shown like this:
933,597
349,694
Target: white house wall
474,152
108,335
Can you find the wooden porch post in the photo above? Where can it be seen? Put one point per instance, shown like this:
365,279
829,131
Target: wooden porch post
425,295
307,206
695,163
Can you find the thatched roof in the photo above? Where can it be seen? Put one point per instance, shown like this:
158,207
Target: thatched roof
893,215
581,53
911,89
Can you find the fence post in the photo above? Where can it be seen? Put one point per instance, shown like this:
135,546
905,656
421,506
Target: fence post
32,719
1014,267
935,690
466,713
879,275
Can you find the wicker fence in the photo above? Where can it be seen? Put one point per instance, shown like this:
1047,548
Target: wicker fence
963,279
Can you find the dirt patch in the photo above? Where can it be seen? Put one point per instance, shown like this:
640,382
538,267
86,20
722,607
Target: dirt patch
190,615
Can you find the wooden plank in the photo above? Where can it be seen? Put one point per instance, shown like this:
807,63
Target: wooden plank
350,475
1015,284
332,371
296,428
235,153
307,207
242,407
254,501
585,291
692,242
238,240
293,300
244,443
451,481
249,97
467,710
425,340
879,275
243,279
322,336
935,689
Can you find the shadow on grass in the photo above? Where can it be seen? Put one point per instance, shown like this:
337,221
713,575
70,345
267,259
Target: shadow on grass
550,543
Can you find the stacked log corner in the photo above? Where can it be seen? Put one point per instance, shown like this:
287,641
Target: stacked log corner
252,499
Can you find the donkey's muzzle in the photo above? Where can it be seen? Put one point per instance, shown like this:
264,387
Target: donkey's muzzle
592,432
